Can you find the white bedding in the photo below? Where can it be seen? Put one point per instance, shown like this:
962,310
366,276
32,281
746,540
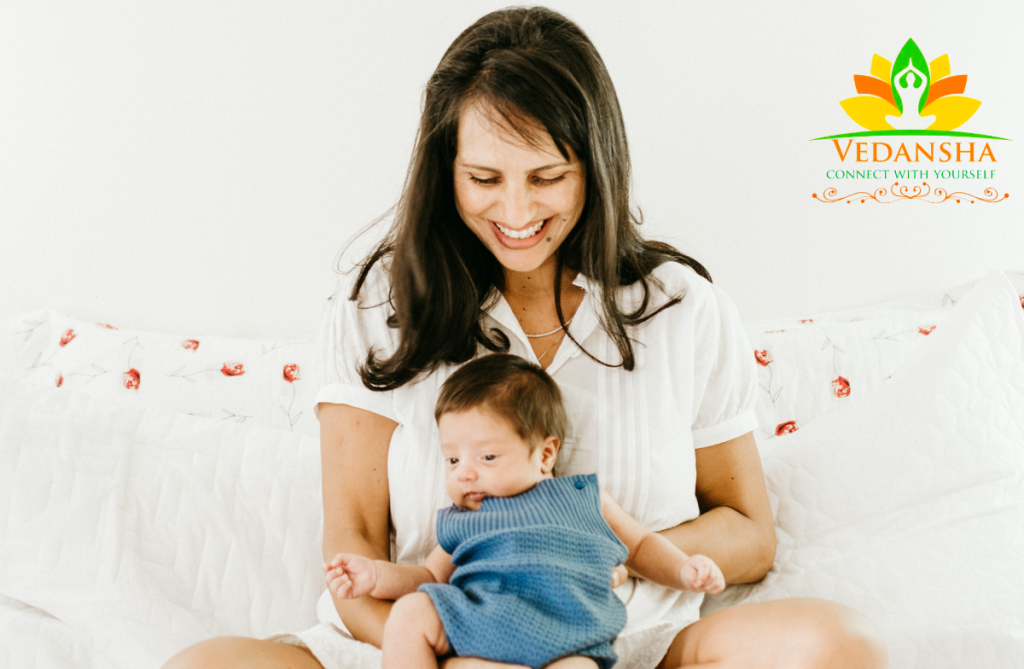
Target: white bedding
134,532
129,532
909,506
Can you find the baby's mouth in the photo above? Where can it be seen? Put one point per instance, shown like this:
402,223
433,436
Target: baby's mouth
474,496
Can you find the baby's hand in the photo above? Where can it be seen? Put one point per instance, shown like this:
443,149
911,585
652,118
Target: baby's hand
619,575
701,574
350,576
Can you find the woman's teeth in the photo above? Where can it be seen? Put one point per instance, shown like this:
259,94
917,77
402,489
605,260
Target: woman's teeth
522,234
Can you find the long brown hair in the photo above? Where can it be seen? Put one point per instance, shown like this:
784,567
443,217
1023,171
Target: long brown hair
536,69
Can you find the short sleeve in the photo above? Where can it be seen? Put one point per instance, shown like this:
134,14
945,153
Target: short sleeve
725,371
348,330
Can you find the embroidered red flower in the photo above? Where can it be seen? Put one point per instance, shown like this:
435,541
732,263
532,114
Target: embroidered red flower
106,325
232,369
1022,301
68,336
60,379
291,373
131,379
190,344
926,330
785,428
764,358
806,320
840,387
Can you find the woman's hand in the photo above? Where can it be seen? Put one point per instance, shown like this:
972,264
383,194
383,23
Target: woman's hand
700,574
350,576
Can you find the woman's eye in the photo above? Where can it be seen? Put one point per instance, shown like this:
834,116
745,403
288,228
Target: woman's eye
494,180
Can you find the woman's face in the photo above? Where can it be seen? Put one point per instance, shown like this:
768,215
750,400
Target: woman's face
520,201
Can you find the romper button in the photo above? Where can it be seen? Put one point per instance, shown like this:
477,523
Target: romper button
581,484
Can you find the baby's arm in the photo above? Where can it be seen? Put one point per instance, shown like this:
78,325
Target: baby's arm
653,557
350,576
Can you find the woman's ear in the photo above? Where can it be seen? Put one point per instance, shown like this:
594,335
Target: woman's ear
548,454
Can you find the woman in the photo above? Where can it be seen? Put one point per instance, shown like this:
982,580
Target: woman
515,234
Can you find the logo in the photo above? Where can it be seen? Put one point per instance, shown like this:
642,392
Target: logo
910,109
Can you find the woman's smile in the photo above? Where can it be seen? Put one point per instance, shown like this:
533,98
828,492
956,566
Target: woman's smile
521,239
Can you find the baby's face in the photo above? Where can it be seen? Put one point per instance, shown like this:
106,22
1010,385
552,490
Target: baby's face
485,457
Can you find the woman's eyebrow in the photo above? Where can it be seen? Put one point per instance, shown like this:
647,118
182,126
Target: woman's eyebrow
496,171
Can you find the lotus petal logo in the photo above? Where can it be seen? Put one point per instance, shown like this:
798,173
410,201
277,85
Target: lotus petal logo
903,106
910,94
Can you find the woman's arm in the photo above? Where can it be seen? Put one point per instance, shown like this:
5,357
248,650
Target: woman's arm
354,470
735,527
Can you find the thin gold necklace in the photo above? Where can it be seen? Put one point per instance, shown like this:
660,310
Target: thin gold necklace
564,332
557,342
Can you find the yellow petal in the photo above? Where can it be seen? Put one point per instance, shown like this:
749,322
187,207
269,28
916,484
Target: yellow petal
880,68
869,112
939,67
951,111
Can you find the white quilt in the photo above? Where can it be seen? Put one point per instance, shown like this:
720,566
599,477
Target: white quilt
909,506
128,533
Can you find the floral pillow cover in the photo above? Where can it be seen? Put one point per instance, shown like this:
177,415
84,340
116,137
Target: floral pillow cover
811,366
807,367
249,381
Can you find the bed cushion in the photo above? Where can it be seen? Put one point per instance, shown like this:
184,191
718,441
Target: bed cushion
811,366
146,530
253,381
909,505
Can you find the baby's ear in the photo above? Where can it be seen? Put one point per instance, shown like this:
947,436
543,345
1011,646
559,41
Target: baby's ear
549,452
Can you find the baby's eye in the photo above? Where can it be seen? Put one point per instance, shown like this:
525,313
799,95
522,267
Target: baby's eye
490,457
453,461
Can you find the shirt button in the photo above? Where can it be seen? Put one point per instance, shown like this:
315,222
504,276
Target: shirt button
581,484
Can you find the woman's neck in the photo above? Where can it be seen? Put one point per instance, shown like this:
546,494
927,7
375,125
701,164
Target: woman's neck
538,285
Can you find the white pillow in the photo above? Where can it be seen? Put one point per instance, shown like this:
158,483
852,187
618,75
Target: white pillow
251,381
809,367
909,505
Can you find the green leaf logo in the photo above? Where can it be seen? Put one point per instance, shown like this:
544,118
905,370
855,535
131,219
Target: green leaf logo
910,70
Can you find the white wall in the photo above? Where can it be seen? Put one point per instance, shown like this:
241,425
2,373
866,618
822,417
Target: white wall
195,166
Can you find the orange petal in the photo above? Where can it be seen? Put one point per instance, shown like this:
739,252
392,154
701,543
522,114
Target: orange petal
948,86
874,86
951,111
869,112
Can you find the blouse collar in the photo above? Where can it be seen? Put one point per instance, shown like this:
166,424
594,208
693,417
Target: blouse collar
583,322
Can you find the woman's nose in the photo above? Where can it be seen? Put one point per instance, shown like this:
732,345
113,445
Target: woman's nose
516,199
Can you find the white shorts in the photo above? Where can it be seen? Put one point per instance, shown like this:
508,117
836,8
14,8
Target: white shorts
655,615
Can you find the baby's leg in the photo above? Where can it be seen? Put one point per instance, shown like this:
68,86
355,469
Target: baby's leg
573,662
413,634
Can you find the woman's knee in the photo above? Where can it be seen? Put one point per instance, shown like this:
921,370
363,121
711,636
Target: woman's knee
839,636
235,651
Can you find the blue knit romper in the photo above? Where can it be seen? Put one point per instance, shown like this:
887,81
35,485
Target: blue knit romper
532,580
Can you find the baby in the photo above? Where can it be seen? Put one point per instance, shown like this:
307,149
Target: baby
520,575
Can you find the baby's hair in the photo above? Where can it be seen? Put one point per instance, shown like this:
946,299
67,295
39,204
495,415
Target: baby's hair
512,387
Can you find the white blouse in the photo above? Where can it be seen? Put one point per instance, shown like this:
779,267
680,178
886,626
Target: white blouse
694,385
